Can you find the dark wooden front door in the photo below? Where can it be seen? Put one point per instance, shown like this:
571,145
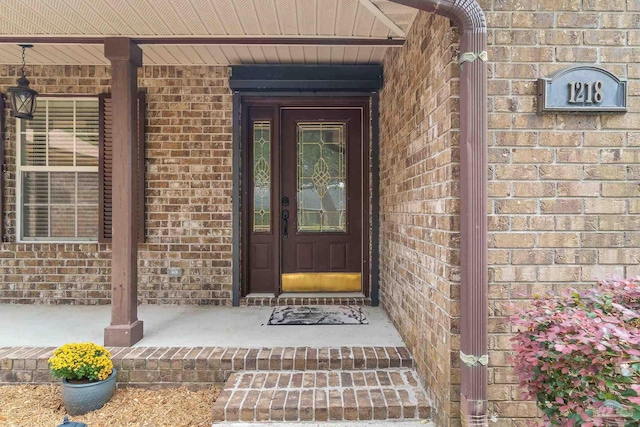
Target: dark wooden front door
321,176
306,198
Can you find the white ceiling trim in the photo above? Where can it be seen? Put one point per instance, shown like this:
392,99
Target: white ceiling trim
132,18
141,39
163,54
210,25
383,18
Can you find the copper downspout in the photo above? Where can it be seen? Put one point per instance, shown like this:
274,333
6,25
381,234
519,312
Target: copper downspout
468,16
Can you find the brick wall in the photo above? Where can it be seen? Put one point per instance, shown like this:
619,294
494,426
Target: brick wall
188,196
564,198
418,203
564,189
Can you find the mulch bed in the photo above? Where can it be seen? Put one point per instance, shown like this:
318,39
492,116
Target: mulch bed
41,405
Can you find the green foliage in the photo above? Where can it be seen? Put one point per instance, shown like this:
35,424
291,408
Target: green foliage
578,355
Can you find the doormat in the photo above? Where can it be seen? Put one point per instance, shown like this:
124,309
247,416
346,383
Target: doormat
318,315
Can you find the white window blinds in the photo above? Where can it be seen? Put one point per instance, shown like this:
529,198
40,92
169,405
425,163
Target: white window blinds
58,171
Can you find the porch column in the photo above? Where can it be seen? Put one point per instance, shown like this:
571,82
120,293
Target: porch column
125,329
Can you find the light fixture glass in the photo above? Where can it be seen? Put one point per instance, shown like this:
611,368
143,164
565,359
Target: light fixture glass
22,97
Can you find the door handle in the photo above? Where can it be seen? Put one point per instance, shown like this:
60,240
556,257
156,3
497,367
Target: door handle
285,224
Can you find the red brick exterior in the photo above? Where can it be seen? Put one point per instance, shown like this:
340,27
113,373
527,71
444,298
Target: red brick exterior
188,196
564,197
563,188
321,395
172,366
419,191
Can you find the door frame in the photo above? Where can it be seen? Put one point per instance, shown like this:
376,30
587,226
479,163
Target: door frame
368,102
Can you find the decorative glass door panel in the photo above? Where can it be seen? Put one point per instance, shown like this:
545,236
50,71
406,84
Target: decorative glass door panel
322,177
262,176
261,148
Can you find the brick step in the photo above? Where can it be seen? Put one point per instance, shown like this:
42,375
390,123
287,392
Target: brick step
380,394
272,301
158,366
323,358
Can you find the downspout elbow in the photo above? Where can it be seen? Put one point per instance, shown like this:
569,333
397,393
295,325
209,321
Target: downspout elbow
466,14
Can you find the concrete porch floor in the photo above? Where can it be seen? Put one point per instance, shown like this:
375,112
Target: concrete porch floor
187,326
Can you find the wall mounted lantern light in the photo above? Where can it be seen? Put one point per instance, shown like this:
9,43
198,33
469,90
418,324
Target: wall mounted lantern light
22,97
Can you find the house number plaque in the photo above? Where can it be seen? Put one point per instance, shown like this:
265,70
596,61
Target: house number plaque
582,89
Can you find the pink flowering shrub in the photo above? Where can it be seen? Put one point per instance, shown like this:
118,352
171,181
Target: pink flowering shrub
578,355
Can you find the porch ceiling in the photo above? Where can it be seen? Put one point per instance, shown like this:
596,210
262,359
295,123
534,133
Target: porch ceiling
344,19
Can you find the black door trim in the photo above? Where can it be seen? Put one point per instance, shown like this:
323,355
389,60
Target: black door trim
237,232
260,78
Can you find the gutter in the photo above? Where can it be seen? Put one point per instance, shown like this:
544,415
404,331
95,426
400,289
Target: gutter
468,16
208,40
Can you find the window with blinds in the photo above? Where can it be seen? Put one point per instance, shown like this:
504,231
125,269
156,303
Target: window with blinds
57,169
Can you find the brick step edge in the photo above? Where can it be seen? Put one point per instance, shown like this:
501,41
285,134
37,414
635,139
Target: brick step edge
176,365
279,301
392,394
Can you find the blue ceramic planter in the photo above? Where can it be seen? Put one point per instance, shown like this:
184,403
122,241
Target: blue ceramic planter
79,399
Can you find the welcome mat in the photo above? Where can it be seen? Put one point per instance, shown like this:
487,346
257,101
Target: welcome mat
318,315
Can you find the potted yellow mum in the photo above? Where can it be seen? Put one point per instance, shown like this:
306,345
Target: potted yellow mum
87,373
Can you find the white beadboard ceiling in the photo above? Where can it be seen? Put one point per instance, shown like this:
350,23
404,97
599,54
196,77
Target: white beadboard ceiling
202,18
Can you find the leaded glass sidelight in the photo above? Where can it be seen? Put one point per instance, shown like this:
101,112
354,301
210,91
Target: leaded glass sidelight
262,176
322,177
